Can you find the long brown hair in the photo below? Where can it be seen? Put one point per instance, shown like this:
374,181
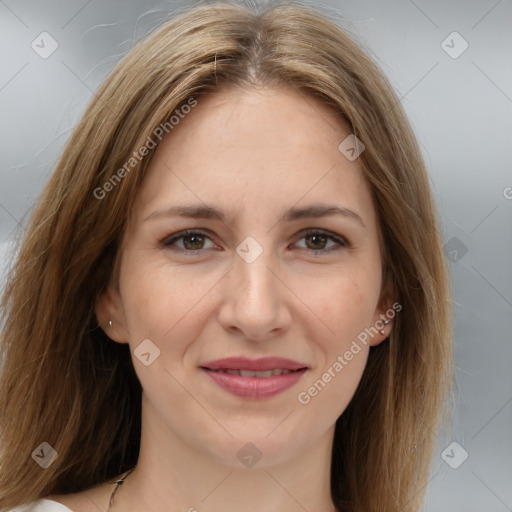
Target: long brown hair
64,382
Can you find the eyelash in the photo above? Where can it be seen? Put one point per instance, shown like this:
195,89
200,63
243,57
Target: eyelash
168,241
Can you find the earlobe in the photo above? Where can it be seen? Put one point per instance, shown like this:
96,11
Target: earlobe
382,328
383,319
110,315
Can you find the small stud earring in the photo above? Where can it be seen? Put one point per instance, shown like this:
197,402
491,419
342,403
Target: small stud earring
110,323
385,322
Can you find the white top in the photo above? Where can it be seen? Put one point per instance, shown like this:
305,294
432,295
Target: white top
42,505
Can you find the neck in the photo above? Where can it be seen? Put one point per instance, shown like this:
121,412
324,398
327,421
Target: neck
171,475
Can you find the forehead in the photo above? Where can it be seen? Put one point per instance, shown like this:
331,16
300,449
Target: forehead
253,149
277,118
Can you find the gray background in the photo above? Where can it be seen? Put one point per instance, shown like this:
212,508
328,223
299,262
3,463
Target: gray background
460,107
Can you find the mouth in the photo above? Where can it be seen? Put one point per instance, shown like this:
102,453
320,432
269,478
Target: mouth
254,379
251,373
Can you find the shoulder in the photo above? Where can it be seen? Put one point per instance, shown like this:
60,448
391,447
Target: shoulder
90,500
42,505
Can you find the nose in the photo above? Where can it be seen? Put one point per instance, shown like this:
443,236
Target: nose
255,301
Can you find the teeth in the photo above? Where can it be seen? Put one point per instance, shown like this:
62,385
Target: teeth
260,374
266,373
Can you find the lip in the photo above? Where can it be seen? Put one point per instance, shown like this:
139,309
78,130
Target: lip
257,365
254,387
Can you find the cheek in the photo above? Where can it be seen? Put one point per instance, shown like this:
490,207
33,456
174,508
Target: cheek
326,395
164,304
347,310
344,305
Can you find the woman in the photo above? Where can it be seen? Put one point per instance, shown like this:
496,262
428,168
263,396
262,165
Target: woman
231,292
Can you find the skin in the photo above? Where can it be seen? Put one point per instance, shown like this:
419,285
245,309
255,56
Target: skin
255,154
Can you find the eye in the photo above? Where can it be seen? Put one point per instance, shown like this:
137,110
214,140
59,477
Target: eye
193,242
187,241
317,240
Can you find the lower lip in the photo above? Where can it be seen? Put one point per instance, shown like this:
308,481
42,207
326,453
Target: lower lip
255,387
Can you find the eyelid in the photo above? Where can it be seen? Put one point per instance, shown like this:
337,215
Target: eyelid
341,241
169,240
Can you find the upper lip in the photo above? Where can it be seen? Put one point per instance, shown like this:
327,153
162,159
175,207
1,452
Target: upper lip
244,363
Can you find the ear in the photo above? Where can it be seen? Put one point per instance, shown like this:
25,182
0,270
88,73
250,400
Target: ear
384,314
110,314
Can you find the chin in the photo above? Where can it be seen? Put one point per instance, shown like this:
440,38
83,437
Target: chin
257,448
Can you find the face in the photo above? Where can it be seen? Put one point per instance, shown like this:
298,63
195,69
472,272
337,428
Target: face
262,272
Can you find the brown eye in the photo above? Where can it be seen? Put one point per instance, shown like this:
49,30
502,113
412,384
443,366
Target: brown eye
191,242
317,241
187,242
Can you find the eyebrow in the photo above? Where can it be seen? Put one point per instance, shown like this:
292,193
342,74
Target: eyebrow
209,212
